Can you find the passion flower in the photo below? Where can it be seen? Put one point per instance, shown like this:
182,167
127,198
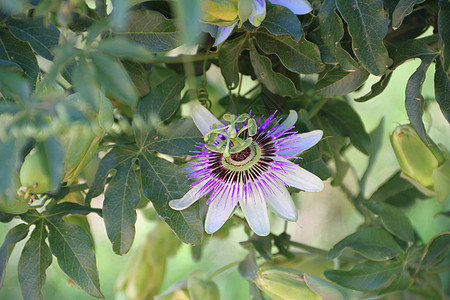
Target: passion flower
245,163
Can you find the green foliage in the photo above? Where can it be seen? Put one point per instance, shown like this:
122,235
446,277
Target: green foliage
101,92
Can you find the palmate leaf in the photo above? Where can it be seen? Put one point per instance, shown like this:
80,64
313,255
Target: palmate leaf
402,9
162,181
298,56
332,31
35,259
338,82
153,30
367,24
228,60
74,249
281,20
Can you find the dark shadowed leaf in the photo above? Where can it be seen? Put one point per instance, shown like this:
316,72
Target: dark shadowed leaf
401,52
274,82
119,207
437,250
367,24
393,219
346,122
34,261
338,82
163,181
14,235
377,88
40,36
372,242
368,275
414,101
403,8
115,79
332,31
444,32
153,30
298,56
74,249
281,20
20,53
228,60
138,75
442,89
177,138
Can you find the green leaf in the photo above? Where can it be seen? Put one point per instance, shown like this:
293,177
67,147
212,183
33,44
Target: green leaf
248,267
263,245
138,75
367,24
414,100
115,157
119,15
442,89
332,31
85,82
444,32
123,48
437,249
20,53
441,178
119,208
346,122
74,249
297,56
188,15
163,181
338,82
396,189
9,161
377,88
403,51
281,20
70,208
394,220
34,261
153,30
275,82
14,235
52,154
115,78
373,243
402,9
176,139
42,38
329,290
367,276
229,54
12,83
200,288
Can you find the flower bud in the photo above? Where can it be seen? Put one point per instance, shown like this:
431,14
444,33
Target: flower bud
220,12
279,283
417,160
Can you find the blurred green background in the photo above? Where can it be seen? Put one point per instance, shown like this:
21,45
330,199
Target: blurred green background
324,217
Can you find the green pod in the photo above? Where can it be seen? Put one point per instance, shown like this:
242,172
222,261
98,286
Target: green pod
220,12
279,283
35,173
81,146
417,160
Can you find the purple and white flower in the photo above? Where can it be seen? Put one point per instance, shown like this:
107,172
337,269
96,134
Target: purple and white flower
258,14
253,177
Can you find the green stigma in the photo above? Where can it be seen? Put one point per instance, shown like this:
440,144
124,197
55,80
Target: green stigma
232,143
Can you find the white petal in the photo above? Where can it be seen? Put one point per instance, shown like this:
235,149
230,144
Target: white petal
298,7
255,212
258,13
223,32
300,178
301,142
290,121
189,198
203,118
219,213
280,202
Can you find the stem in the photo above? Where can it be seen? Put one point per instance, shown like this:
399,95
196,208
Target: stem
319,251
223,269
316,108
440,269
181,58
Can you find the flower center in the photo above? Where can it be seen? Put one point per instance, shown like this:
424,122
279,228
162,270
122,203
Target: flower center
244,159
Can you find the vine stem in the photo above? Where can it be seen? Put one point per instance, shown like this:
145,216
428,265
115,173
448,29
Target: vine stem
223,269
